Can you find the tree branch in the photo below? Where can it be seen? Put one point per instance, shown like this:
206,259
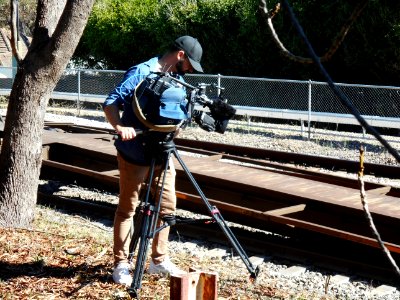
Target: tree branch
47,15
344,30
14,30
335,44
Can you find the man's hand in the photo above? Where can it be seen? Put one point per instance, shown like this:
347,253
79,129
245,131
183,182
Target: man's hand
112,114
126,133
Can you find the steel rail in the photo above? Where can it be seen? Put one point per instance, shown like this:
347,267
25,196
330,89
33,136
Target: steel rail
78,160
330,163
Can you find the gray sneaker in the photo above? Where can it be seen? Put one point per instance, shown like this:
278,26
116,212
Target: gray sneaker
122,275
166,267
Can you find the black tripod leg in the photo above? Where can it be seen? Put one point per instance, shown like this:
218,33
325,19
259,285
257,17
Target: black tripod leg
145,236
147,229
137,229
220,221
143,232
235,243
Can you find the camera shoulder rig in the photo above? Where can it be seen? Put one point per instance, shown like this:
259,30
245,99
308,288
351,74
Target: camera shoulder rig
152,106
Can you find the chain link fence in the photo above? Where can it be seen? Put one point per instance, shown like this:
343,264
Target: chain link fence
383,101
287,99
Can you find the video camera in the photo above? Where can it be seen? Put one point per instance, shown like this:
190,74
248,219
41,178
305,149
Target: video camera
219,114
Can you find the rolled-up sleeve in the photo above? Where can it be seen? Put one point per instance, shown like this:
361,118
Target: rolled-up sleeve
124,90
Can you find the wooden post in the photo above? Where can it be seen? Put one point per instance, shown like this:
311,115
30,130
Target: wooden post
195,285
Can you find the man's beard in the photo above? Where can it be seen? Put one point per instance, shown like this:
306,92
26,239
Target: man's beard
179,68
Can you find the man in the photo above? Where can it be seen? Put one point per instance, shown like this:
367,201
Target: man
133,161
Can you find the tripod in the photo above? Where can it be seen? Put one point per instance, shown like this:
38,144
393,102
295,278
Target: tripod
146,218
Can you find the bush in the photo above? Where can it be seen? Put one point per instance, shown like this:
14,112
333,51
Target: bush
236,39
123,33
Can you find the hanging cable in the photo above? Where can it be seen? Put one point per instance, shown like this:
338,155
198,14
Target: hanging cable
342,97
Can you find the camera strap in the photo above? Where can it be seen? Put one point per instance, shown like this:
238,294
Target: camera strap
137,110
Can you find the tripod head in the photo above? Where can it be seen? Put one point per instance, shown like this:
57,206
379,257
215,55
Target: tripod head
159,144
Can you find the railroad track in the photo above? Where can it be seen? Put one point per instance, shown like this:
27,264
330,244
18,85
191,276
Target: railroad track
317,214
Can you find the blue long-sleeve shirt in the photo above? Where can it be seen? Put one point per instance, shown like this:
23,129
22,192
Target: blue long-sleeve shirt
137,150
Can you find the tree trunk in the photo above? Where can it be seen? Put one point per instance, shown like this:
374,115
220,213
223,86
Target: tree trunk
59,26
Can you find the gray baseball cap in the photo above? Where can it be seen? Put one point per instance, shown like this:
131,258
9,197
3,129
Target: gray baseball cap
192,49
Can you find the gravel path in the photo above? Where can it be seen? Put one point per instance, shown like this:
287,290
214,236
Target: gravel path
279,279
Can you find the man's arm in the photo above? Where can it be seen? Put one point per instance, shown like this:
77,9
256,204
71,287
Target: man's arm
113,117
116,99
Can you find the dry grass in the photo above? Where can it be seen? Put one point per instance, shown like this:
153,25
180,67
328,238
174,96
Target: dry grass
60,258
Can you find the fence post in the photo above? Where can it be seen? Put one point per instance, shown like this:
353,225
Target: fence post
309,109
78,104
218,84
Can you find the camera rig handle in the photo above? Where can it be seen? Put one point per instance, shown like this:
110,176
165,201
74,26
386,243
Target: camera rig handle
167,74
203,86
199,90
197,94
